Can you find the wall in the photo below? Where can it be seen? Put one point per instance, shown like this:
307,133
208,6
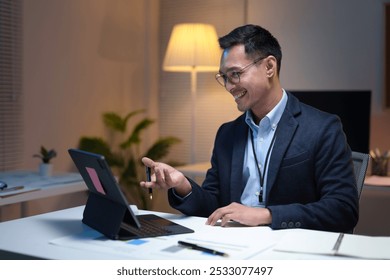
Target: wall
337,44
83,58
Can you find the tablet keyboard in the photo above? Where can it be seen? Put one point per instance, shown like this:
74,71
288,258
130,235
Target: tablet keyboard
148,229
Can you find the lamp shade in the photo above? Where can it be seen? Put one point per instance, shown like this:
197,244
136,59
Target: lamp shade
192,46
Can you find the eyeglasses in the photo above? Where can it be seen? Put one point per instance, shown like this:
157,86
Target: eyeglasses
234,76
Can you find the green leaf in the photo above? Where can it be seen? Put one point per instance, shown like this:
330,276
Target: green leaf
134,137
130,171
161,147
114,121
46,155
94,145
131,114
43,151
99,146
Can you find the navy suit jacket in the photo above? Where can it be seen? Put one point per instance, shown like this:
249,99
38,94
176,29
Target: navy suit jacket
311,181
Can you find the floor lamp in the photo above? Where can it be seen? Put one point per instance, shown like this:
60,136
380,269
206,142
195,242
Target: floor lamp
192,48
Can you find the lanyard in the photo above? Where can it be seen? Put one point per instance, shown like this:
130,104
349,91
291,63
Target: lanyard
265,163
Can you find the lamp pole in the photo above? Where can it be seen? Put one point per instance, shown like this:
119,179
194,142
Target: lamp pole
193,113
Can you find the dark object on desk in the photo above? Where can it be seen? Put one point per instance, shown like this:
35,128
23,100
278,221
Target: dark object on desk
107,209
3,185
4,188
7,190
202,249
355,118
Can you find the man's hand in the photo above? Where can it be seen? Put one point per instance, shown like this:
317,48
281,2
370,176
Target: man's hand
166,177
245,215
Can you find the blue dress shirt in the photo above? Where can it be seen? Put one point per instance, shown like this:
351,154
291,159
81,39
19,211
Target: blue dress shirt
262,136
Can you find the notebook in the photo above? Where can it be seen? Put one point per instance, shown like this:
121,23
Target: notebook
107,209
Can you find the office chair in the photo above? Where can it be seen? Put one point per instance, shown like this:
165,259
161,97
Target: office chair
360,163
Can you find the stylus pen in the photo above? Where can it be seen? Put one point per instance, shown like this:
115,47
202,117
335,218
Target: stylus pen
202,249
148,179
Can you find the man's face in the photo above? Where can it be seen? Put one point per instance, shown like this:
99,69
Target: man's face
252,86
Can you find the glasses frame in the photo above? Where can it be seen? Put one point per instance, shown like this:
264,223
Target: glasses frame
226,78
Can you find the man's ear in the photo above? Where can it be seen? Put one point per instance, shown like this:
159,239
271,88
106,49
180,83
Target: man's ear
270,66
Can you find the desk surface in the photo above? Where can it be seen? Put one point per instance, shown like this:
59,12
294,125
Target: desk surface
37,187
62,235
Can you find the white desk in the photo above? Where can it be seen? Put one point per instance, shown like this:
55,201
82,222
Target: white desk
34,237
37,187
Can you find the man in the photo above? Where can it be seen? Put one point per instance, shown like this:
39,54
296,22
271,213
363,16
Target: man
281,163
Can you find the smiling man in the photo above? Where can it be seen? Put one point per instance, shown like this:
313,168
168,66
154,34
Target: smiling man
281,163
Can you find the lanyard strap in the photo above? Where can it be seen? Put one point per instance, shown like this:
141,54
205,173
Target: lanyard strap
265,163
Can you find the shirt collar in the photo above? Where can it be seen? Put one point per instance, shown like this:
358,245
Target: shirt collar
272,118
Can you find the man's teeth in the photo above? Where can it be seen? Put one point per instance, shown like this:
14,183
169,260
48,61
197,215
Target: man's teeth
240,95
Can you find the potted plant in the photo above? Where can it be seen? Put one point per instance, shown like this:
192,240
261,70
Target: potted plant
46,168
123,152
379,162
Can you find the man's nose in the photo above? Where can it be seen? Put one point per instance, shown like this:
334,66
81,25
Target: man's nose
229,86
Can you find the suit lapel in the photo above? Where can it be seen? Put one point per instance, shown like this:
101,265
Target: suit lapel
240,139
284,134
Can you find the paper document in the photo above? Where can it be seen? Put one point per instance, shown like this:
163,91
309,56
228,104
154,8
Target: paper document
331,243
235,242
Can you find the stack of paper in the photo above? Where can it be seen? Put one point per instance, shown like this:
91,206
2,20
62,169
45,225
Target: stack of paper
331,243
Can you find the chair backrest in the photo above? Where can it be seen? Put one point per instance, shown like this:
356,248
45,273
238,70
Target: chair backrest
360,163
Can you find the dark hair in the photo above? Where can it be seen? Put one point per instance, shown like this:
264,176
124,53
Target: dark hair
257,41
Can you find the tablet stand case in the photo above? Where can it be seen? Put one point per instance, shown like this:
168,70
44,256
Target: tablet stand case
106,216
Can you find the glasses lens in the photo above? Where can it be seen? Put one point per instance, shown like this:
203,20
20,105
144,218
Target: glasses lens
234,77
221,79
